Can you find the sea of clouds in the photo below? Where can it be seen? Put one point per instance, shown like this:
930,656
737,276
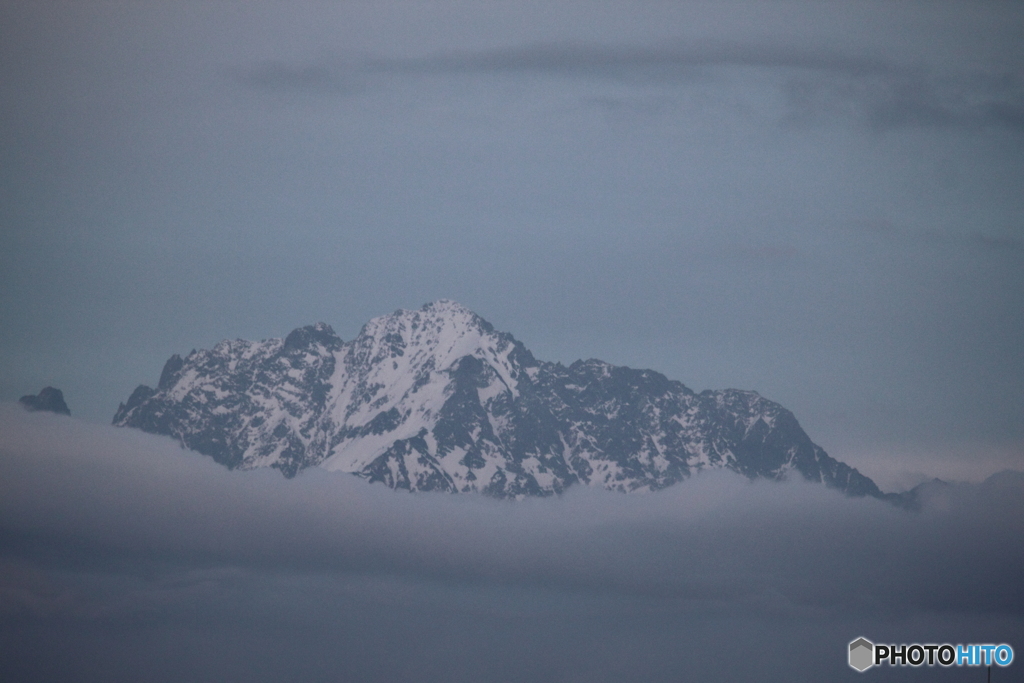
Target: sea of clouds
125,557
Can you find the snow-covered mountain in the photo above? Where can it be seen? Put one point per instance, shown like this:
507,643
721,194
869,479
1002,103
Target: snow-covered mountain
437,400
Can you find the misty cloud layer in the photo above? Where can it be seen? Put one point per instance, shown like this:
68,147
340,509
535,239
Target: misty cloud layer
114,527
817,86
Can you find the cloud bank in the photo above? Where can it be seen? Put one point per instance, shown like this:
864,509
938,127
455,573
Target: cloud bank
103,530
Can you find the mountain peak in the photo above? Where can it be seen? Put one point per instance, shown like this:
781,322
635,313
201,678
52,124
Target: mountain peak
320,333
441,312
447,307
443,329
50,399
436,399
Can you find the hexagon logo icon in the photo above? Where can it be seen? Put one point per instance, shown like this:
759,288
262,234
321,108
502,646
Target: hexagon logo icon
862,653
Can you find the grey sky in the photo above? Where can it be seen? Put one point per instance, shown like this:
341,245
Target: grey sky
818,201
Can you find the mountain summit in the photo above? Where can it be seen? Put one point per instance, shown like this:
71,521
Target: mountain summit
437,400
49,399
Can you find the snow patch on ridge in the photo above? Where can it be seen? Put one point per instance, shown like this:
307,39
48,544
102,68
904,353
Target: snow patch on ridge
437,399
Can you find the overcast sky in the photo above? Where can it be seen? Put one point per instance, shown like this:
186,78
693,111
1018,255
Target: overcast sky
823,202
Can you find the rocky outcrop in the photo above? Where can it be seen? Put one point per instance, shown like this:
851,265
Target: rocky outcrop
49,400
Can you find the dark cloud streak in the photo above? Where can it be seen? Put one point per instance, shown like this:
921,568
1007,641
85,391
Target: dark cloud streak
604,60
295,78
1004,244
818,85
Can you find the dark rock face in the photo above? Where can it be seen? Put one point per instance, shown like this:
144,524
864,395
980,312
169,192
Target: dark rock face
49,399
437,400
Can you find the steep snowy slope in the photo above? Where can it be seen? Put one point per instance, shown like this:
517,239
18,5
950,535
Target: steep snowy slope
436,399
